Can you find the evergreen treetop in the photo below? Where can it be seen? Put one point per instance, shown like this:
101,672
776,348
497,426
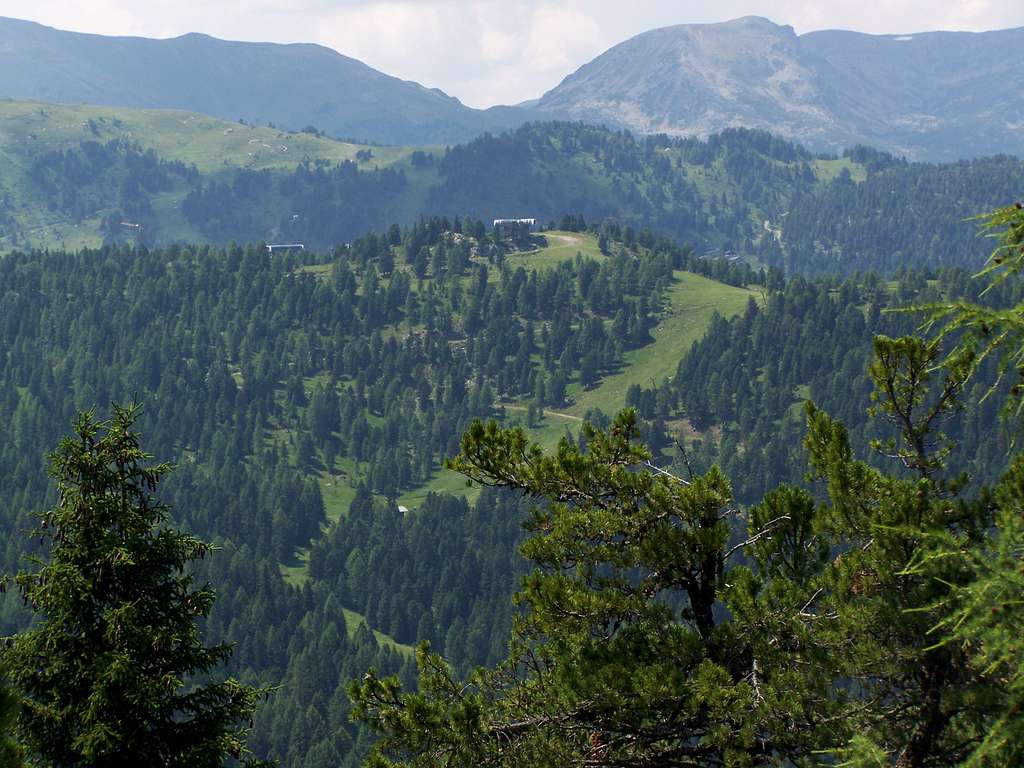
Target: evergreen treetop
115,671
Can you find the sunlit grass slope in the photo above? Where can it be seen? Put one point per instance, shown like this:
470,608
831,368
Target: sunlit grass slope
211,144
217,148
692,300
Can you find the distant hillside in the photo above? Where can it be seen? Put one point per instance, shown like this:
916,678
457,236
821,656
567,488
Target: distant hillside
742,192
79,176
291,86
930,96
936,95
72,174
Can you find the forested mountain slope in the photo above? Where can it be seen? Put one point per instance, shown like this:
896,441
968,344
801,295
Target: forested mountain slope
741,192
931,95
305,398
291,86
79,176
299,401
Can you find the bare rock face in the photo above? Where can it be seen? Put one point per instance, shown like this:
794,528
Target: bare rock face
935,95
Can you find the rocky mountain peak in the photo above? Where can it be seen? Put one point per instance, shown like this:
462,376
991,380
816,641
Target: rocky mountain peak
939,95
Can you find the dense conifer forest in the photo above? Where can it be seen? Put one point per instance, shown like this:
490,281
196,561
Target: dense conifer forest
870,619
560,446
262,377
300,394
741,191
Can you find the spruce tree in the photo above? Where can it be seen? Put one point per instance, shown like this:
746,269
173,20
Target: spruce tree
115,672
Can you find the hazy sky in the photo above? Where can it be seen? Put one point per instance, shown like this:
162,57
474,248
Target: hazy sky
485,51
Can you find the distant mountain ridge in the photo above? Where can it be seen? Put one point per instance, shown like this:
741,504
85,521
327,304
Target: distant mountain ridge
292,86
933,96
936,95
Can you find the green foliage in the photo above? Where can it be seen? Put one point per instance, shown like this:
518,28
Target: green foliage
187,177
620,655
902,372
919,703
246,361
109,676
317,204
984,614
981,615
1006,225
741,386
862,753
960,595
742,191
983,331
11,755
641,640
624,654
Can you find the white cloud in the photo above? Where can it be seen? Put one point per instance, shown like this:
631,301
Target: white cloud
426,42
487,51
493,51
498,44
560,36
896,16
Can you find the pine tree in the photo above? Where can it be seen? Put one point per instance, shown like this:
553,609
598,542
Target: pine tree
621,656
109,675
982,616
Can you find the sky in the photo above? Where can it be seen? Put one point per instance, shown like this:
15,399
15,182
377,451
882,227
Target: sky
489,52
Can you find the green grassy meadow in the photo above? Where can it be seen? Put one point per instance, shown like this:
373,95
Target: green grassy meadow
826,170
210,144
561,246
692,300
352,622
296,574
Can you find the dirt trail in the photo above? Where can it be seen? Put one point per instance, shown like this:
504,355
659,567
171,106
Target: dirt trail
523,409
564,239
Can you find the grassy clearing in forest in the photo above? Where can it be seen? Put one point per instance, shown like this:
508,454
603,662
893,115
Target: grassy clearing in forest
560,247
826,170
297,574
692,300
442,481
352,622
